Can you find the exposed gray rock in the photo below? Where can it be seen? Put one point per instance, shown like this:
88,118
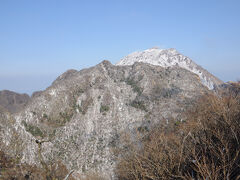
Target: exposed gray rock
84,112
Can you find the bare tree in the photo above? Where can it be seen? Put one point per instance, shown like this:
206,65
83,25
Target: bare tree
205,146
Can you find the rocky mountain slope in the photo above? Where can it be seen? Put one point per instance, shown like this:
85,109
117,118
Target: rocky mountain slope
83,114
169,58
13,102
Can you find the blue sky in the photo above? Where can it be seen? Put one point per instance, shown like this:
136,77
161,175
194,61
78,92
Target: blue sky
40,39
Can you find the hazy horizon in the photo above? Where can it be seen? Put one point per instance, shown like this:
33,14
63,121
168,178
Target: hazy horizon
39,40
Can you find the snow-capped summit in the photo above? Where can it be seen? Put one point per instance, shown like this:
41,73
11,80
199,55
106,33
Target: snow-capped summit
170,57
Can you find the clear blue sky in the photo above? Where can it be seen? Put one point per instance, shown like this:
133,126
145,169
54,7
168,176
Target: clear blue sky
40,39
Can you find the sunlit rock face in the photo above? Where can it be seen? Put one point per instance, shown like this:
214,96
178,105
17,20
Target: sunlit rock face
169,58
83,114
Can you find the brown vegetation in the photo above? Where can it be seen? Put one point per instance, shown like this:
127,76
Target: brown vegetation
11,170
205,146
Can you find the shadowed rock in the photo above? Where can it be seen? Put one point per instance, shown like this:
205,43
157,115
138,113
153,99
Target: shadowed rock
13,102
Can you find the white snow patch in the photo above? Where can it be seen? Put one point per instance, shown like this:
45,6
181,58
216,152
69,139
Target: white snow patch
166,58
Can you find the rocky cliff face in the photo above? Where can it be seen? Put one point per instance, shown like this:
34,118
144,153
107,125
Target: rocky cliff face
169,58
83,113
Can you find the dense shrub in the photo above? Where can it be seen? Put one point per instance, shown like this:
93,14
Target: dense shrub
104,108
134,85
139,105
11,169
34,130
205,146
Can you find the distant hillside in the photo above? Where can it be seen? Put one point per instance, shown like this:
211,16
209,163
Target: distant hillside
13,102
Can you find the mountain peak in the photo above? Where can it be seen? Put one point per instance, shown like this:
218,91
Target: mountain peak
153,56
170,57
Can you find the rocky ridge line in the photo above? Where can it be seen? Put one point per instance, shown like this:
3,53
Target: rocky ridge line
168,58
